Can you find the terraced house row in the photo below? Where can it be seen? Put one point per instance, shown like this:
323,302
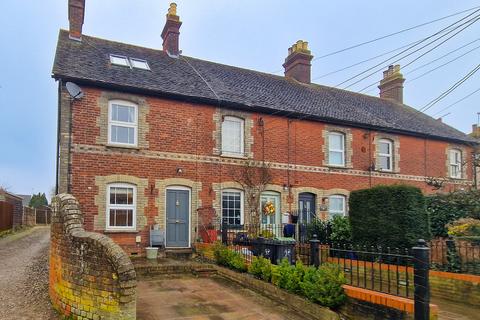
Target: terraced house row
157,137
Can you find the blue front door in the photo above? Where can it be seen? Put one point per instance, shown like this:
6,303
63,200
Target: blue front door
178,204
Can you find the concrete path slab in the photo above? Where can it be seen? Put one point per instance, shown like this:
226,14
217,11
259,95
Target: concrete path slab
213,298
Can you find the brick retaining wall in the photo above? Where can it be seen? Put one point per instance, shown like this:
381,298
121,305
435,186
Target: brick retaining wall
91,277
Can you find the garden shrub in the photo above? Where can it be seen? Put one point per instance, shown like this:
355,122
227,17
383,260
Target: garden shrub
324,285
466,228
319,227
341,231
388,216
228,258
261,268
445,208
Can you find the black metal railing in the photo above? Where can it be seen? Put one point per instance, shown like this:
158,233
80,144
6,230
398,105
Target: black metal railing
383,270
399,272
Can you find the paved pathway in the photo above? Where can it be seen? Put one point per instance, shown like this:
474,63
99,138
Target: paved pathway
205,298
455,311
24,275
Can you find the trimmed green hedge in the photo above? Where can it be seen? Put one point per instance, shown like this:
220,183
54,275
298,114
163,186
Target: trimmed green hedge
391,216
446,208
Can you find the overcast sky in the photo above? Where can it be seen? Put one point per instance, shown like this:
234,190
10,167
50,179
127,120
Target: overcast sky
250,34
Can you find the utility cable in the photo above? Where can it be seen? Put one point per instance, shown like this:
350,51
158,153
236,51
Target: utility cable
389,35
449,90
474,19
457,102
427,72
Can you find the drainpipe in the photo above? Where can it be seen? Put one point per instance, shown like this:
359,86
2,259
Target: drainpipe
69,166
59,114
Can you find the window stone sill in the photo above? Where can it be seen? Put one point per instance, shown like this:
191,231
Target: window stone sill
117,146
120,231
333,167
233,156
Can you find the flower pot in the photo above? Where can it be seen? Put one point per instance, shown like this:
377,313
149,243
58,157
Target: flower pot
152,252
209,236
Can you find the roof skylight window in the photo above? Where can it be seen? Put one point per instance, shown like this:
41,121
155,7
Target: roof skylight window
139,63
119,60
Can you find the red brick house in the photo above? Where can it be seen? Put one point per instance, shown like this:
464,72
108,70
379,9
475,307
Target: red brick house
158,138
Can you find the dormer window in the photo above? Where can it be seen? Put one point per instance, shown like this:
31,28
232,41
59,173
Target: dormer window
119,60
139,64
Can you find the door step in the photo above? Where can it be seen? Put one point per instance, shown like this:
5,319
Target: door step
179,253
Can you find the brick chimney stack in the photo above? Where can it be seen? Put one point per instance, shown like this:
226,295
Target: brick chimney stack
171,32
475,131
297,65
391,86
76,13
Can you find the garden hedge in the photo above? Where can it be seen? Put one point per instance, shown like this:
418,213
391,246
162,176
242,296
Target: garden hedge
388,216
448,207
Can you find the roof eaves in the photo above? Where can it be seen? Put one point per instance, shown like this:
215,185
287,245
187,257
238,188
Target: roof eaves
244,107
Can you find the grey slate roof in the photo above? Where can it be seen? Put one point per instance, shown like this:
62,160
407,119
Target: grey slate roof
199,80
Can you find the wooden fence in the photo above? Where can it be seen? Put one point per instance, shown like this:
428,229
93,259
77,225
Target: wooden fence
43,215
6,216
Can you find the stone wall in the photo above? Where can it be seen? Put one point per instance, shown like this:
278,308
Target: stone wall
91,277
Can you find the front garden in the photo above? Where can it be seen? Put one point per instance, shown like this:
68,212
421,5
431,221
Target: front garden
370,249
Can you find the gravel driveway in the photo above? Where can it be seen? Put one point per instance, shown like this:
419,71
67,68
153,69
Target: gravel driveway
24,275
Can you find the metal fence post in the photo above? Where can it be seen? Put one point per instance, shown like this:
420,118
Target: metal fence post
224,231
421,265
315,251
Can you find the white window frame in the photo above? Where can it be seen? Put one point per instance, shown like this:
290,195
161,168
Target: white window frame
133,125
242,136
133,60
341,151
344,211
132,206
389,156
452,163
241,203
127,63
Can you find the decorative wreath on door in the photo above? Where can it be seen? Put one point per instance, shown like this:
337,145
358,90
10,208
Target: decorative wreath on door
269,209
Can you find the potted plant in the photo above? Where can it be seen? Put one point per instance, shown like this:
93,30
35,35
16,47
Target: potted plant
294,216
209,234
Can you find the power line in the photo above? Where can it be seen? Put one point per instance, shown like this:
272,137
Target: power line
431,70
444,64
457,102
474,19
443,56
393,34
389,35
363,61
449,90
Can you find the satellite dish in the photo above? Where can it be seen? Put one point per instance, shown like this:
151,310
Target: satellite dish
74,90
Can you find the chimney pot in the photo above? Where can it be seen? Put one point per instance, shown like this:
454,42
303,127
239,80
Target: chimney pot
297,64
76,14
391,86
171,32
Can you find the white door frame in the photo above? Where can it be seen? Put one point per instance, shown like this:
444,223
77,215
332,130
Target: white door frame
174,187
